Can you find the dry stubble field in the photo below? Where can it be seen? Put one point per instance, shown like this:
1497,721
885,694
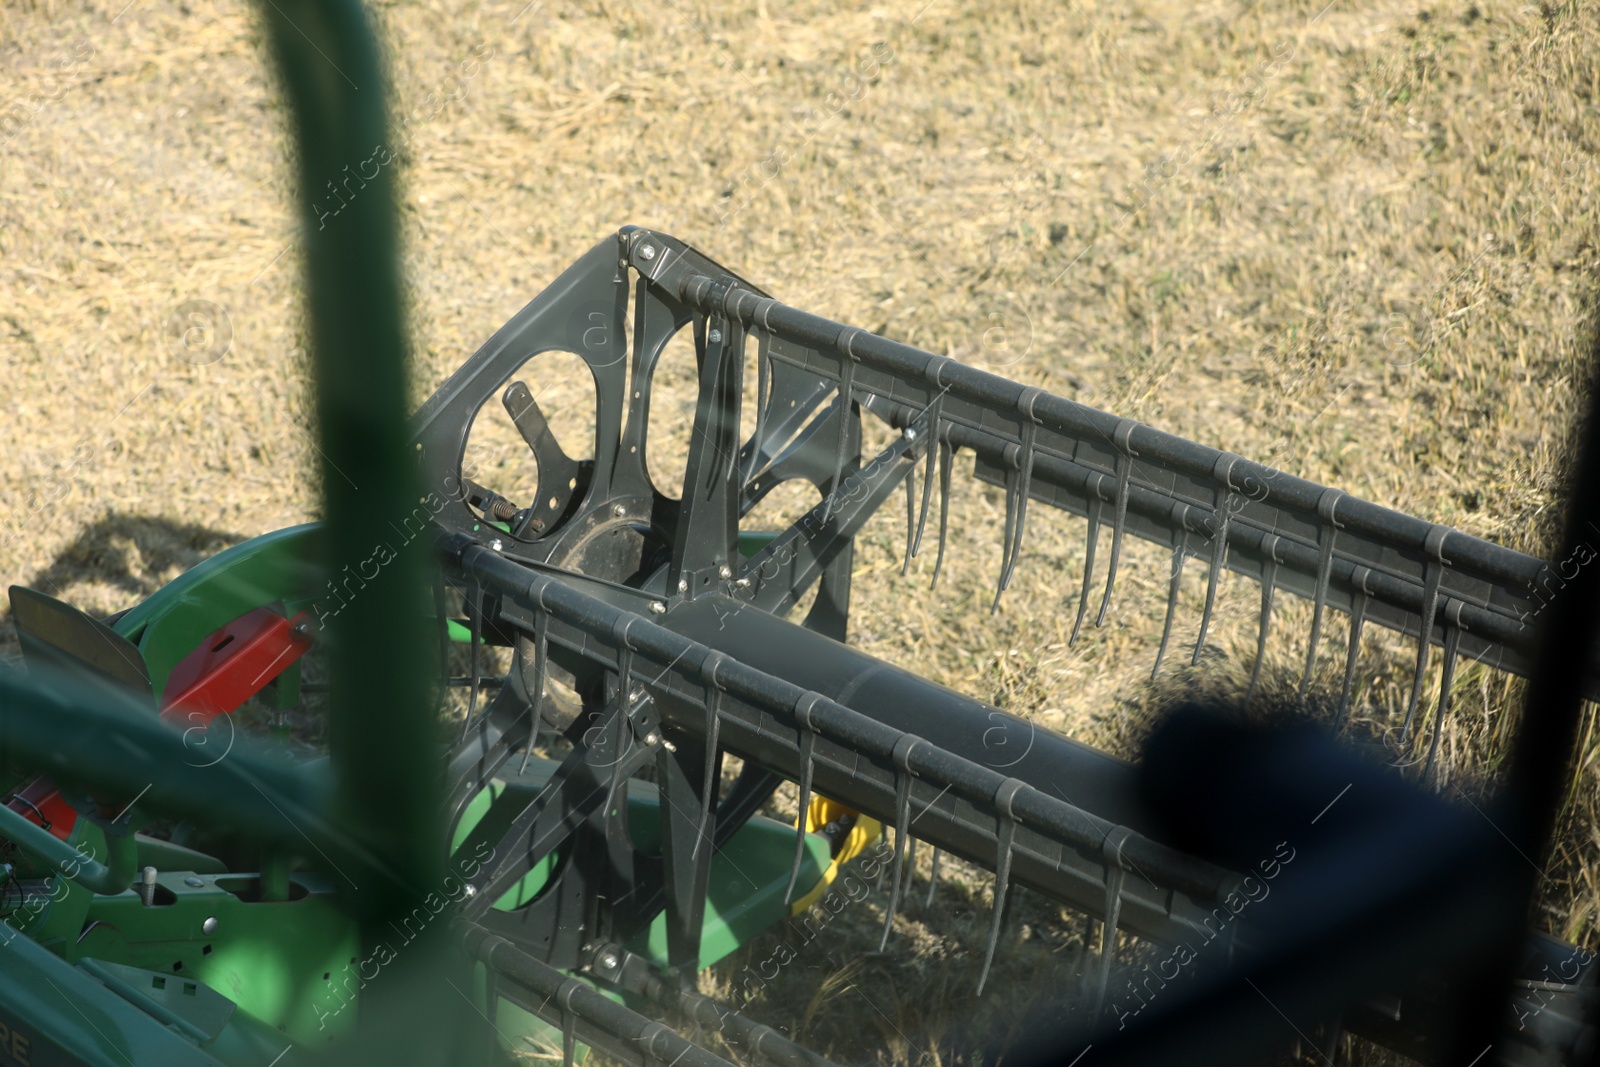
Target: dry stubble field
1356,242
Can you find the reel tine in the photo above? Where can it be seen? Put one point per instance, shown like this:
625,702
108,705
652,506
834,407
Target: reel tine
947,455
1452,644
847,377
1358,615
472,670
1219,547
1095,507
624,707
1179,555
933,881
1269,584
713,726
1434,546
1016,528
1088,938
902,828
1119,521
541,653
1005,541
808,746
1327,505
911,521
763,376
1002,870
1115,876
625,669
935,407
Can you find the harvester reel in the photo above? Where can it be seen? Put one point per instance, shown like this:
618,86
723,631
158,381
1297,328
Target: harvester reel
661,604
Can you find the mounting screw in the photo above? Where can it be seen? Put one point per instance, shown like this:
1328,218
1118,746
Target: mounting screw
619,511
495,544
652,738
725,571
647,252
608,960
209,927
715,336
911,433
683,585
470,891
302,629
194,882
657,608
742,583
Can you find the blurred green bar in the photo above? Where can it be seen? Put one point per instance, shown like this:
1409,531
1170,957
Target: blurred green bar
388,773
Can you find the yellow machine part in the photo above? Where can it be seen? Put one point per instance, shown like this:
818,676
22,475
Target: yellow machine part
819,813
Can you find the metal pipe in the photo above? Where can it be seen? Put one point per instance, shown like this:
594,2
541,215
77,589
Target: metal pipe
109,878
570,1002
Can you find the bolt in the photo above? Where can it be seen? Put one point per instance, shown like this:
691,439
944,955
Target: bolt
471,891
652,738
302,629
911,433
657,607
683,585
715,336
647,252
147,886
619,511
496,544
742,583
608,961
194,882
725,571
209,927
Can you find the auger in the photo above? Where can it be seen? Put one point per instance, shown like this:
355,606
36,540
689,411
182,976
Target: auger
575,859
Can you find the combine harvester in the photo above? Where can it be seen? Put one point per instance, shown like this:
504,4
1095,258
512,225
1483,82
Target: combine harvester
569,855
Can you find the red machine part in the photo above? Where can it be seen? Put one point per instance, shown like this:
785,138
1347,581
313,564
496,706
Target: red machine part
232,665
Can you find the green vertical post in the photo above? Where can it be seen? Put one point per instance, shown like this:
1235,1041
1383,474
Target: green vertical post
382,729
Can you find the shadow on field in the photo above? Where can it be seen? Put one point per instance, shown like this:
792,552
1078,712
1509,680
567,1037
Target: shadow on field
118,561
